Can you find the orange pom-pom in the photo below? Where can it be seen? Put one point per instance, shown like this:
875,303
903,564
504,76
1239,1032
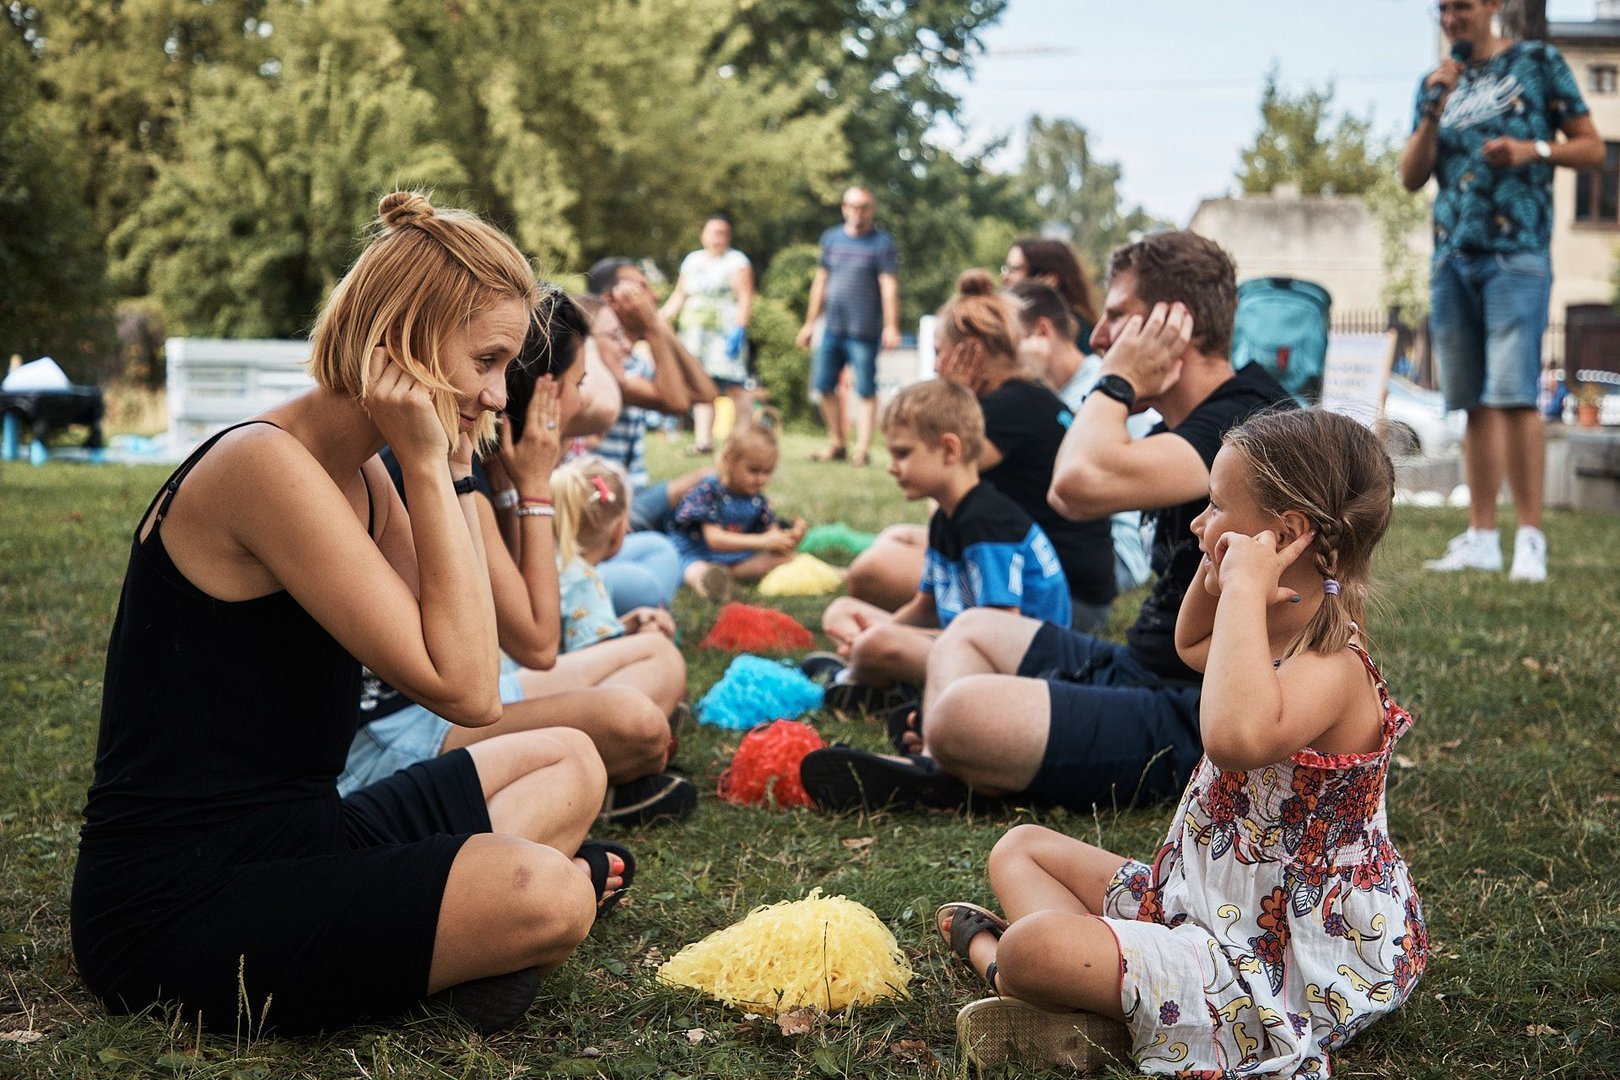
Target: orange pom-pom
741,628
766,765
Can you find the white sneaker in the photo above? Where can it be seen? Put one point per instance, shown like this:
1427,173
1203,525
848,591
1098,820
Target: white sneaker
1529,555
1473,550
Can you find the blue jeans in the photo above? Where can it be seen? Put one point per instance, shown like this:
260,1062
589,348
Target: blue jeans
1489,313
645,573
833,353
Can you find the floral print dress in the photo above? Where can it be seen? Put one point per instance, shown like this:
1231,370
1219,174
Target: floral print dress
1276,922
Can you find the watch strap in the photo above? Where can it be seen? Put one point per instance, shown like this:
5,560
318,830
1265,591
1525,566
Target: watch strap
1117,387
466,485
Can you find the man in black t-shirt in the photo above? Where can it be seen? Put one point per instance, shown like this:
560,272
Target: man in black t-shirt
1013,705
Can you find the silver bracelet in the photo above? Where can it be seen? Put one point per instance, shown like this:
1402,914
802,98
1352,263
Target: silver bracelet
537,511
505,500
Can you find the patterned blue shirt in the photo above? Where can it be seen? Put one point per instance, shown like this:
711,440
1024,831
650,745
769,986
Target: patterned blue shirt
621,443
1524,92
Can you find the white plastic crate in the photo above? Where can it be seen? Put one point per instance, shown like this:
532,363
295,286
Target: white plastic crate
216,382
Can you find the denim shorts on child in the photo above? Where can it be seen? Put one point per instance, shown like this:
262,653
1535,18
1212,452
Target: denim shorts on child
1489,313
833,353
401,739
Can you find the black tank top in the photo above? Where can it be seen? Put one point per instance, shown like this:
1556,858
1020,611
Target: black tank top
223,728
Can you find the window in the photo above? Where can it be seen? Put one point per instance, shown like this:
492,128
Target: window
1597,194
1603,78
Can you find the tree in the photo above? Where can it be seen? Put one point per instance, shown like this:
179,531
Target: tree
1077,193
276,172
1401,216
55,297
1525,20
886,66
1296,146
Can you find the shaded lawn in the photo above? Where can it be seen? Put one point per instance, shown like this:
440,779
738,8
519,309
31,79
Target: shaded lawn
1506,801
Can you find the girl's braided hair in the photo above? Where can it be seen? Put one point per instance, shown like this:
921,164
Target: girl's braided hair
1334,470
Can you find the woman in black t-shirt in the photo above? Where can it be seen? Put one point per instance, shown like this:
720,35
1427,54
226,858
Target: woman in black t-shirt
976,346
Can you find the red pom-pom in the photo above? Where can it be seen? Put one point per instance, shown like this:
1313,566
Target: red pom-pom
741,628
766,765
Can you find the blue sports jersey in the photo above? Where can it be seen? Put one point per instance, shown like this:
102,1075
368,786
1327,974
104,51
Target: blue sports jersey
991,554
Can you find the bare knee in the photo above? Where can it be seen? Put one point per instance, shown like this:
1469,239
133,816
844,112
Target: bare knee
1015,849
641,734
1024,952
953,726
669,685
839,615
577,754
553,904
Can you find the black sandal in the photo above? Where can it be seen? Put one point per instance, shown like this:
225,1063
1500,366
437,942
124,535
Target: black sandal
596,854
968,921
902,720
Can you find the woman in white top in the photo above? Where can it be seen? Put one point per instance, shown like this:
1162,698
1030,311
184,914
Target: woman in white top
710,307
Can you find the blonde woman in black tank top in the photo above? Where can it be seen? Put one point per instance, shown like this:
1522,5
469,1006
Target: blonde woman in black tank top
217,856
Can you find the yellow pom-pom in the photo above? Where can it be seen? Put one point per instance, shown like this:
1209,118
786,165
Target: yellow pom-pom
802,575
825,951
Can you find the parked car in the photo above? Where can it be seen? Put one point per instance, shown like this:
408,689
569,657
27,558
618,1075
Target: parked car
1416,421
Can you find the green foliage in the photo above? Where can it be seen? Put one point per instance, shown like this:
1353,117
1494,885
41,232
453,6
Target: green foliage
1402,217
780,365
1295,145
276,173
788,277
1077,193
54,298
887,68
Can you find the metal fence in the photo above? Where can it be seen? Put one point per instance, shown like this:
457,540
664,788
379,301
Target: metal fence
1414,345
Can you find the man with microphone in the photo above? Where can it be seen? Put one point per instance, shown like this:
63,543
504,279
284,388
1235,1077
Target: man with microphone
1486,126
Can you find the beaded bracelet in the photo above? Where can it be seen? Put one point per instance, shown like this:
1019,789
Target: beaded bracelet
536,511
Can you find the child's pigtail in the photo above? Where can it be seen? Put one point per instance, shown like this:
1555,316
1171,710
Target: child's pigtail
568,495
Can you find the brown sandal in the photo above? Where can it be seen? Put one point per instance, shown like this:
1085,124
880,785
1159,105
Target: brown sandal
829,453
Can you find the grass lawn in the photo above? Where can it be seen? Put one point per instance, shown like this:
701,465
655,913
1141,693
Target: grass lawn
1506,802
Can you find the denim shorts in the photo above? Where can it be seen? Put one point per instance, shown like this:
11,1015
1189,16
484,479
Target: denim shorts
401,739
833,353
1489,313
1118,734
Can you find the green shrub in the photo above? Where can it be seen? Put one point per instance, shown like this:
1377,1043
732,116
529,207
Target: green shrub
780,365
787,279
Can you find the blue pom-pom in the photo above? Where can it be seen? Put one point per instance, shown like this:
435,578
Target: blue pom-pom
754,690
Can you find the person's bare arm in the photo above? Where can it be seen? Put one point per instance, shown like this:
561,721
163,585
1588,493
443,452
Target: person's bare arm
1422,148
889,294
677,300
667,390
742,285
523,578
775,539
918,611
601,401
1100,469
818,300
440,648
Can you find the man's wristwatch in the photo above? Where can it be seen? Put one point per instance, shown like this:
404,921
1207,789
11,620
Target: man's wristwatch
1118,388
465,486
1543,150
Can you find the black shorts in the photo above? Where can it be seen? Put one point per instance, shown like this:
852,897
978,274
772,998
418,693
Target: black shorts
1119,734
326,939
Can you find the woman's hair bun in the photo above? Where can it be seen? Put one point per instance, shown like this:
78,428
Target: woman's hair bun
976,282
402,208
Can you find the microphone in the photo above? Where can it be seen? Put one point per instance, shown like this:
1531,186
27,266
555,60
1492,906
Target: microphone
1461,52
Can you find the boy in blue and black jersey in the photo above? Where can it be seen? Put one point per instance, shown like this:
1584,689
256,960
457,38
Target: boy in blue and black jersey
983,549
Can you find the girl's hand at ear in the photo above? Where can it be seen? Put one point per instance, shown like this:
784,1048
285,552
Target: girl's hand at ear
402,409
1257,561
531,459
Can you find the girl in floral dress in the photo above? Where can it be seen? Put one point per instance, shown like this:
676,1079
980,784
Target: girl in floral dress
1277,920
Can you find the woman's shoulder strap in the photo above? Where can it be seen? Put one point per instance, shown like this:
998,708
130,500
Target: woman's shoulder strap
167,492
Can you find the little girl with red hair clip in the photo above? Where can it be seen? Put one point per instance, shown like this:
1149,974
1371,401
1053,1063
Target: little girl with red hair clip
592,517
